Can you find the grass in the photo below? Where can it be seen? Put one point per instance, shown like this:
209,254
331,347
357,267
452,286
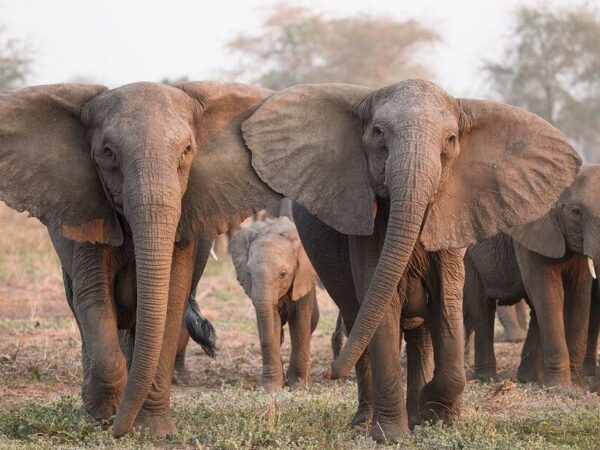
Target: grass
222,406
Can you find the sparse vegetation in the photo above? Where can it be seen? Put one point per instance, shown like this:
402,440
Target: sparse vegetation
221,407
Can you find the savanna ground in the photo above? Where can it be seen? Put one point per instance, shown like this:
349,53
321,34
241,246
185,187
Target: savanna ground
222,407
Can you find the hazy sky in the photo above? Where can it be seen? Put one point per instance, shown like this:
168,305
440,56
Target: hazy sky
119,41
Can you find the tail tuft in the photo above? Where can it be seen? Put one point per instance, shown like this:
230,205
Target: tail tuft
200,329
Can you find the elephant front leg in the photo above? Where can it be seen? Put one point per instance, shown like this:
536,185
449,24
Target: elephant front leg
544,284
419,362
302,324
440,398
390,420
155,414
590,362
531,368
578,288
104,366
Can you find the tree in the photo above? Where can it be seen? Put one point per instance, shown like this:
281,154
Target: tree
14,61
296,45
552,68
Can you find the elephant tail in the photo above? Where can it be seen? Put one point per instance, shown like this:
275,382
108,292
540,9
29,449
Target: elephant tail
200,328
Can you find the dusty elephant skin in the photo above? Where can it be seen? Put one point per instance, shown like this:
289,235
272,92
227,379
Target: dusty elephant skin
450,171
273,269
550,263
108,169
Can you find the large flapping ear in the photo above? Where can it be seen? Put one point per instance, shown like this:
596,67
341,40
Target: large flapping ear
306,144
223,188
542,236
45,163
240,248
512,167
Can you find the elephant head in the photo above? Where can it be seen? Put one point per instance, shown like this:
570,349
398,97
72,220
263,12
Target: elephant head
455,171
271,264
573,224
81,158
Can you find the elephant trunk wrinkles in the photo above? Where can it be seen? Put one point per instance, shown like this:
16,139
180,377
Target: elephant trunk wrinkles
152,204
269,334
591,249
411,177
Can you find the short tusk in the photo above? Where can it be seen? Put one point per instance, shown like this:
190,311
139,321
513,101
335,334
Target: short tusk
214,255
591,267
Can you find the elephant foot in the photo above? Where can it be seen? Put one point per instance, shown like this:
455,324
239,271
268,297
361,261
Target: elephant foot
527,373
595,387
272,386
159,425
589,368
485,375
101,399
361,416
432,407
552,381
388,432
578,379
297,378
181,376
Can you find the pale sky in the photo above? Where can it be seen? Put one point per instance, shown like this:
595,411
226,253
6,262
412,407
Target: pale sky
115,42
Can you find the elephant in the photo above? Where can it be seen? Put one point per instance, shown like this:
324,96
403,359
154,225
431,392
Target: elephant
114,176
550,263
272,267
395,178
514,321
591,353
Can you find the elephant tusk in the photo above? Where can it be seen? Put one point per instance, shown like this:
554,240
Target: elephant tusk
591,267
214,255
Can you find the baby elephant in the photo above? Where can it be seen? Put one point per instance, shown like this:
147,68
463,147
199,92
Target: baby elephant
275,272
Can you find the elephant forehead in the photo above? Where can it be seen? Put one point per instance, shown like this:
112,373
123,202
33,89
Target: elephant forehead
415,95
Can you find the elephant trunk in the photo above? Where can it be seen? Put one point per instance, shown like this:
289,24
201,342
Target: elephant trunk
411,177
152,205
269,330
591,248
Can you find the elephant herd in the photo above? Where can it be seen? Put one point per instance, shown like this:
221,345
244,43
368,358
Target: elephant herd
389,187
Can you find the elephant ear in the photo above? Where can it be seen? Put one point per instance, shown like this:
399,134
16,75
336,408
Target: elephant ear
542,236
223,188
240,248
45,163
304,137
512,167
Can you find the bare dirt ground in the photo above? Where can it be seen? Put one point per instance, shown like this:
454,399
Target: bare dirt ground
221,406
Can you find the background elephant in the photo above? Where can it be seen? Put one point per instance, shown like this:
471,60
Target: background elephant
102,166
514,320
550,262
417,166
273,269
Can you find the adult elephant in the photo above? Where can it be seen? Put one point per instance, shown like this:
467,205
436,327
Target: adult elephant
108,169
421,168
550,262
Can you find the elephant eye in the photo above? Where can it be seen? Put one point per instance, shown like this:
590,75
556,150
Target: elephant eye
188,149
576,211
109,153
377,130
451,139
282,274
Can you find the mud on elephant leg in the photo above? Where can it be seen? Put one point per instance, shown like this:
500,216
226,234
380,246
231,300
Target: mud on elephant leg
302,324
104,365
155,414
419,353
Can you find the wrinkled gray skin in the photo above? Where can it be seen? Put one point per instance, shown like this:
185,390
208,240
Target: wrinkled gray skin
273,269
545,262
107,171
450,172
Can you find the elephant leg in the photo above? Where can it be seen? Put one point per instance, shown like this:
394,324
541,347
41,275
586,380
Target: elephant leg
329,254
544,285
390,419
181,374
590,362
521,310
104,366
155,413
469,338
419,355
578,288
302,324
531,368
440,397
485,358
337,337
513,332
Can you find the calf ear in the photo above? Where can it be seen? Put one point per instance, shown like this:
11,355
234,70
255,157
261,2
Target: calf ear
45,163
239,248
305,276
542,236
